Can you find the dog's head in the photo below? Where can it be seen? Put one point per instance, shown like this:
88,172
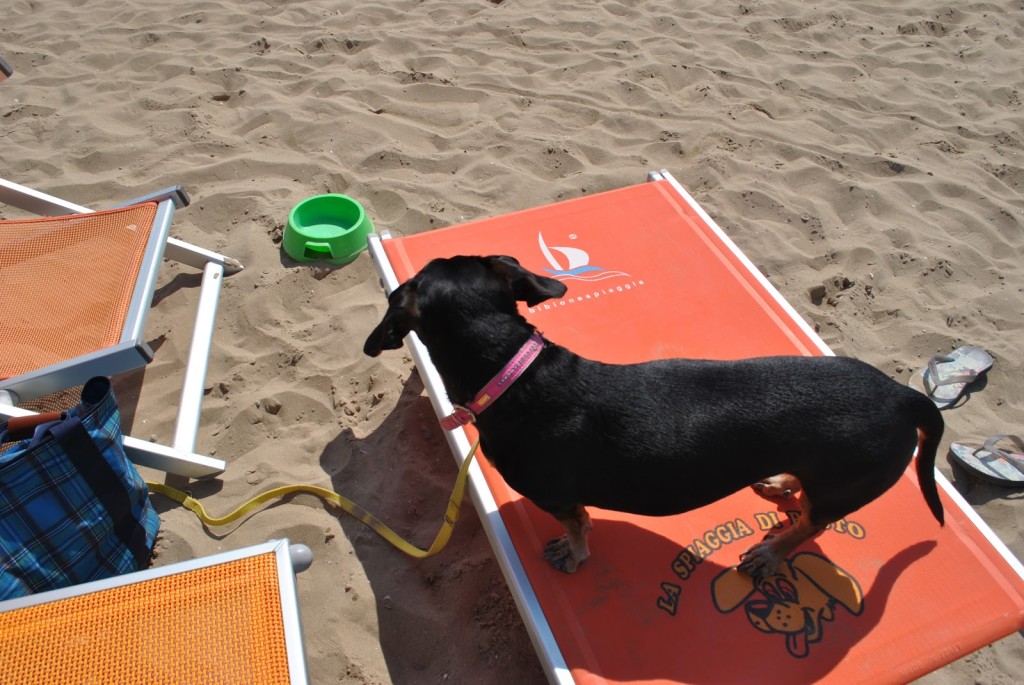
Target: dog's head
794,602
455,291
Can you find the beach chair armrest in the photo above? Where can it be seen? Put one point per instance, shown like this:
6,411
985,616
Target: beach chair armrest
69,373
175,194
42,204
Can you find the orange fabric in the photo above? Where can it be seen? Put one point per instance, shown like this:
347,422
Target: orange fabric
66,283
219,624
884,596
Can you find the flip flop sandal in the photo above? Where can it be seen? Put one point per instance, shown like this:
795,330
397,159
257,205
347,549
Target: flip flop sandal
947,376
991,463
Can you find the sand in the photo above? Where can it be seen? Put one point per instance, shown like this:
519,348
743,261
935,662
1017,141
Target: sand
872,149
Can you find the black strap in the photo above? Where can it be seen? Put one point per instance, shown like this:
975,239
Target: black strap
108,487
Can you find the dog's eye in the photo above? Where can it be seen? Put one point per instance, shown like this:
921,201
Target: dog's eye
769,591
787,589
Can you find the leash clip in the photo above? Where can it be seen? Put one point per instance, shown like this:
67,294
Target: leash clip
460,416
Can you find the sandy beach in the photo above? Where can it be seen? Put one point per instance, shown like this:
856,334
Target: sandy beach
875,150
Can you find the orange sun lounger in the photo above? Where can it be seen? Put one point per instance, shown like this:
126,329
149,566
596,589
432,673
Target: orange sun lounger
885,595
225,619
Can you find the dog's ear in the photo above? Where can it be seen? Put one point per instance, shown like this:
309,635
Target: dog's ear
399,319
525,285
830,579
730,589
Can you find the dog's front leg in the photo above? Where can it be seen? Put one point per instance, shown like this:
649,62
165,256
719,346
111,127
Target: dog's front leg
569,551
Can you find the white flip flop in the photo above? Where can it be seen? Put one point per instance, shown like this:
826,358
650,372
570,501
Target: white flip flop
947,376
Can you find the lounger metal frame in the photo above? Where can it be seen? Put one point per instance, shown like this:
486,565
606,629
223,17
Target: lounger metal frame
132,351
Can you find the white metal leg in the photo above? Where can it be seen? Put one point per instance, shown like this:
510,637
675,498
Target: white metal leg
194,384
151,454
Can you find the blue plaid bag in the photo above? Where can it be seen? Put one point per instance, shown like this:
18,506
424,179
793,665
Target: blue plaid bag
72,507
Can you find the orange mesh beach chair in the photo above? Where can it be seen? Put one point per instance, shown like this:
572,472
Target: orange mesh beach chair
225,619
75,288
884,596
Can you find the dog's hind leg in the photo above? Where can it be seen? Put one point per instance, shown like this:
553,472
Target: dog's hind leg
783,485
569,551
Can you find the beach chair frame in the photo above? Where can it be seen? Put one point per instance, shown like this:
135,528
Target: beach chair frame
288,559
132,351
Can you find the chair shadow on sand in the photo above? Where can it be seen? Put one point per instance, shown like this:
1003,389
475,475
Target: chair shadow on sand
403,472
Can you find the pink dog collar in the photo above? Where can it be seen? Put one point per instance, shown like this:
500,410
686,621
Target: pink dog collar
461,415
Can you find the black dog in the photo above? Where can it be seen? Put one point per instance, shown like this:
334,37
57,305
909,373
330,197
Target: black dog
660,437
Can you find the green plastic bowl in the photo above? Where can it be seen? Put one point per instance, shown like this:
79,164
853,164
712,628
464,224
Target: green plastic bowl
331,227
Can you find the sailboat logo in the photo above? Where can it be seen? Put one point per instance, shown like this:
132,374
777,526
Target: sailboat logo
574,264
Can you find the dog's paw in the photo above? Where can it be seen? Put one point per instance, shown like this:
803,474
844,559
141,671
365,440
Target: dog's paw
783,485
559,554
761,560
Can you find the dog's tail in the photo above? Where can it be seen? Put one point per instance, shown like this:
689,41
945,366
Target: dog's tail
929,430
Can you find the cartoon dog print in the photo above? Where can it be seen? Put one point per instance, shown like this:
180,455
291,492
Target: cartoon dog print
795,601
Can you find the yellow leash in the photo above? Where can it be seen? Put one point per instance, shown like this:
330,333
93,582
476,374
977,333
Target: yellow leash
350,507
